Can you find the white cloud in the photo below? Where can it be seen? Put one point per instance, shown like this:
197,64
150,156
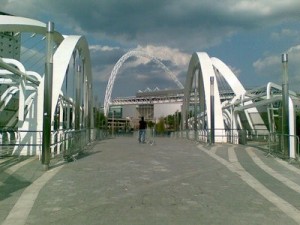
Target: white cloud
271,67
294,51
285,33
166,53
170,30
269,62
259,7
102,48
274,61
186,24
177,61
236,71
20,8
264,7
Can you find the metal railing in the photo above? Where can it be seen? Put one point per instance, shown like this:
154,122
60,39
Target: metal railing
64,143
68,142
271,142
221,135
13,142
275,144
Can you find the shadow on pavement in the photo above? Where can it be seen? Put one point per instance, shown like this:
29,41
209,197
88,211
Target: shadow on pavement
11,161
11,184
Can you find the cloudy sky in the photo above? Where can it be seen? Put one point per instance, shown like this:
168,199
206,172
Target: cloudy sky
248,35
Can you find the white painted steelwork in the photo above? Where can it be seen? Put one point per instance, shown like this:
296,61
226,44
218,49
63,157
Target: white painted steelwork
243,104
22,90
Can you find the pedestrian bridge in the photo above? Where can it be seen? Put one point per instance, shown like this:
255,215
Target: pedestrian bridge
46,94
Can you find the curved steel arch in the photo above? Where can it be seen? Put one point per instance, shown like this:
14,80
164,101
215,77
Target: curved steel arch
207,68
200,61
229,76
234,83
118,65
61,59
22,24
30,85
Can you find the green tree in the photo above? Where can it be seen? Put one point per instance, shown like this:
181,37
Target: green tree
99,118
150,124
170,122
160,126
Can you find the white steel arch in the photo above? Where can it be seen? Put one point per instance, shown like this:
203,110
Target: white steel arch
110,84
236,87
206,67
28,86
201,62
229,76
241,112
22,24
61,59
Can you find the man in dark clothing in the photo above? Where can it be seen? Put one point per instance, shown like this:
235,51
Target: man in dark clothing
142,130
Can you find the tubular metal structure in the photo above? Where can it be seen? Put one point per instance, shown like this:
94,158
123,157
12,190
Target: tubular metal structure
242,112
22,89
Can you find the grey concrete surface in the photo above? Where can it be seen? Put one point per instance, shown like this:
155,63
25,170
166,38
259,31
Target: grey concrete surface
121,182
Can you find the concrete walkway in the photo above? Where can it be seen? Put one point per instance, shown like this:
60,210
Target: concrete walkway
174,181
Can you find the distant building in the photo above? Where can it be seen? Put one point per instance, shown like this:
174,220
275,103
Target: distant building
10,43
150,104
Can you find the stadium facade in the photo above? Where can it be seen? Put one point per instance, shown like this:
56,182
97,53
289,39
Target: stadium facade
151,104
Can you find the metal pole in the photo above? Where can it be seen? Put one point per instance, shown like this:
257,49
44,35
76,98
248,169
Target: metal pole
212,111
231,124
78,98
183,119
285,105
46,139
195,110
113,123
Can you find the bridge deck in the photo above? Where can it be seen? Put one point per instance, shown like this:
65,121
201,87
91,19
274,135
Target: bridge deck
119,181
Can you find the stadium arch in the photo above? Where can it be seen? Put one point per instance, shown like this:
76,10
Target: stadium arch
110,84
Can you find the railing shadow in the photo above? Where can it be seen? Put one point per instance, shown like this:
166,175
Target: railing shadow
11,184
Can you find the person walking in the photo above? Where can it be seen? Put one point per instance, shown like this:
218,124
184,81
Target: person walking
142,130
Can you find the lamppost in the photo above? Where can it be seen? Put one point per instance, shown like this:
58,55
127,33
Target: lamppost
285,105
46,138
212,111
